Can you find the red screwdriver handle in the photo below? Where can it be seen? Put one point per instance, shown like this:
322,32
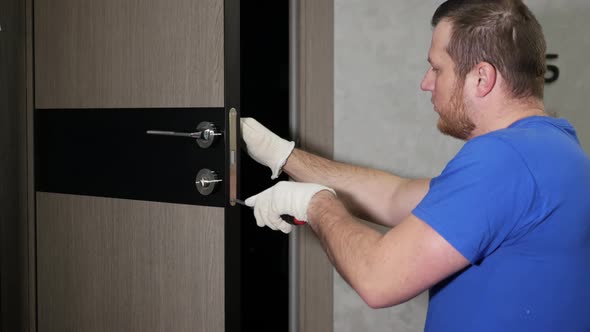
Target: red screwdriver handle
287,218
292,220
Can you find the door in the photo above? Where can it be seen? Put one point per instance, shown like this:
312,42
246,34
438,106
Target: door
13,273
125,241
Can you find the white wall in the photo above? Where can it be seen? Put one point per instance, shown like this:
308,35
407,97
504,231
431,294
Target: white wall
383,120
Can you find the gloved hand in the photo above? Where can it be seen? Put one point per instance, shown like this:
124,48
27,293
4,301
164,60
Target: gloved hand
264,146
285,197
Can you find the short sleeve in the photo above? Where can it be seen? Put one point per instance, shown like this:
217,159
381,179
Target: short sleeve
479,197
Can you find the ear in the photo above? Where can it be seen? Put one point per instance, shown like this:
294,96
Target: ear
485,74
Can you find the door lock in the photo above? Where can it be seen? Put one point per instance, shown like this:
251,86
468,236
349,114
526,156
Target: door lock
206,181
205,134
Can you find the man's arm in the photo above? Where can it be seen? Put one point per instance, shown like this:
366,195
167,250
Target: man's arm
388,269
370,194
384,269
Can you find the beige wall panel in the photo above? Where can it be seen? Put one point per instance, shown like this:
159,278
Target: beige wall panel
121,265
112,53
316,102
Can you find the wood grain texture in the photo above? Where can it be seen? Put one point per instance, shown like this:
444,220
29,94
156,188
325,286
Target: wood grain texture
111,53
120,265
317,135
29,234
14,240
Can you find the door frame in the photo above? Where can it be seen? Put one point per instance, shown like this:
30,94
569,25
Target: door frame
233,229
313,271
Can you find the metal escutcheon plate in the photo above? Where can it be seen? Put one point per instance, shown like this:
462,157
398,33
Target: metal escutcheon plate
207,130
206,181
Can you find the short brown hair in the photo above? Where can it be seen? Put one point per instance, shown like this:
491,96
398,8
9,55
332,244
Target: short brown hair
504,33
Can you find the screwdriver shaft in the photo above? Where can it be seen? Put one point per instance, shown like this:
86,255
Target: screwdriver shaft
241,202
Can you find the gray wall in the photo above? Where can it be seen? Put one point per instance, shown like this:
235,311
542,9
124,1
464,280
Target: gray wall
383,120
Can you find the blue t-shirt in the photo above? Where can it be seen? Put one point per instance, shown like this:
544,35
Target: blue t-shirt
516,203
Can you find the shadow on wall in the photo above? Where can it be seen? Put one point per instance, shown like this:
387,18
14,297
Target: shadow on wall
565,25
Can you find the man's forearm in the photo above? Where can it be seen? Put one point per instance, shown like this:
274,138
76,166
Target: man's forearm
371,267
347,242
384,269
370,194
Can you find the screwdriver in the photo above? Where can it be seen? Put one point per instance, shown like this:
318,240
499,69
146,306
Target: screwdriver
287,218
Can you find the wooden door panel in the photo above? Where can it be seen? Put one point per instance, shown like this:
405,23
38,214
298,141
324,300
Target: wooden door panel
123,265
106,264
113,53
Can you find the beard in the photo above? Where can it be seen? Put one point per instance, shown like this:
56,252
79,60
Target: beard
453,119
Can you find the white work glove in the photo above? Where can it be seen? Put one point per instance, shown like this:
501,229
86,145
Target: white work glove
290,198
264,146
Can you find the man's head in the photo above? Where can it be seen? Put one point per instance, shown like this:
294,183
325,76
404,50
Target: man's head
495,44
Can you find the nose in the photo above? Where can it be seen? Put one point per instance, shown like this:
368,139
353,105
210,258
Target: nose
428,81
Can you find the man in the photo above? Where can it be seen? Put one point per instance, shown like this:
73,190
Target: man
501,237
